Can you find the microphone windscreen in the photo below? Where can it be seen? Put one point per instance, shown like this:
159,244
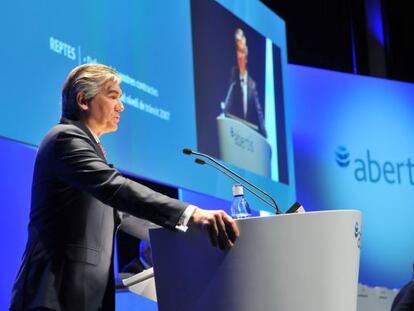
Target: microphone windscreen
187,151
199,161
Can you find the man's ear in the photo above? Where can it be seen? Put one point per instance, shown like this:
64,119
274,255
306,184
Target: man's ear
81,101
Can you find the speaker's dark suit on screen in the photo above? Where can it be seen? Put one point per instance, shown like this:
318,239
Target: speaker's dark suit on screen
234,102
67,264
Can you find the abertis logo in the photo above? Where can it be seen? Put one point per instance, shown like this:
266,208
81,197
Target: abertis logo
357,233
369,169
342,156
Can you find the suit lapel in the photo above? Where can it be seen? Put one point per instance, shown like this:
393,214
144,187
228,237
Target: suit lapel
82,126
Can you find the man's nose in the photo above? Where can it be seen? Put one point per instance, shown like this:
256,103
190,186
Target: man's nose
120,107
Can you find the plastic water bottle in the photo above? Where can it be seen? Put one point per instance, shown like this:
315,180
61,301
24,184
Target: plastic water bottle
239,208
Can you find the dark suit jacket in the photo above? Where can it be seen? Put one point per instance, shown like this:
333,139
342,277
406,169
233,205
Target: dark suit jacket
234,102
404,301
67,264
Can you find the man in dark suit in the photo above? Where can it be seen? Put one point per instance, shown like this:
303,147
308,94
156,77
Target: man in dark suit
404,301
76,196
242,100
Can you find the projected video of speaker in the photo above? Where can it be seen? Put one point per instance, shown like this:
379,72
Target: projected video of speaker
235,69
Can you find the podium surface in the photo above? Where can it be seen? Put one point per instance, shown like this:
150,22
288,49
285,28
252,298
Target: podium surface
290,262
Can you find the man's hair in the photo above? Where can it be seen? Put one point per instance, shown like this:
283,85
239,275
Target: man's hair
89,79
239,36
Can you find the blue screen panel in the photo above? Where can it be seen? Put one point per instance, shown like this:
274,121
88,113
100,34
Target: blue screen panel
354,149
16,166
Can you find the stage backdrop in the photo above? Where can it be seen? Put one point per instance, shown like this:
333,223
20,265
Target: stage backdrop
354,149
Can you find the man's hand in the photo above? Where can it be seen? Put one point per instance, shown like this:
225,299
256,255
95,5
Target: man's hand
222,229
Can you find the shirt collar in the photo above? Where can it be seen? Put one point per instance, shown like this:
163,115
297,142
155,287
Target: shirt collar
243,77
94,135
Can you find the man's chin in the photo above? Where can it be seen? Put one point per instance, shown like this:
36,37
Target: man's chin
112,128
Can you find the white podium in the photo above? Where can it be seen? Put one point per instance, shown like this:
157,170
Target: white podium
291,262
243,147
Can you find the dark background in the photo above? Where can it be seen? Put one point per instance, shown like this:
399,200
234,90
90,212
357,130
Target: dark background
342,35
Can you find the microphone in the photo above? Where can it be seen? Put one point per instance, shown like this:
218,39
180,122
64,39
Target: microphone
226,101
202,162
188,151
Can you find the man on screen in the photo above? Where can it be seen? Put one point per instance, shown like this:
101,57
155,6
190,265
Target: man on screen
242,100
76,196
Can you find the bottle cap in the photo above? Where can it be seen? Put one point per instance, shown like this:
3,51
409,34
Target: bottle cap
237,190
